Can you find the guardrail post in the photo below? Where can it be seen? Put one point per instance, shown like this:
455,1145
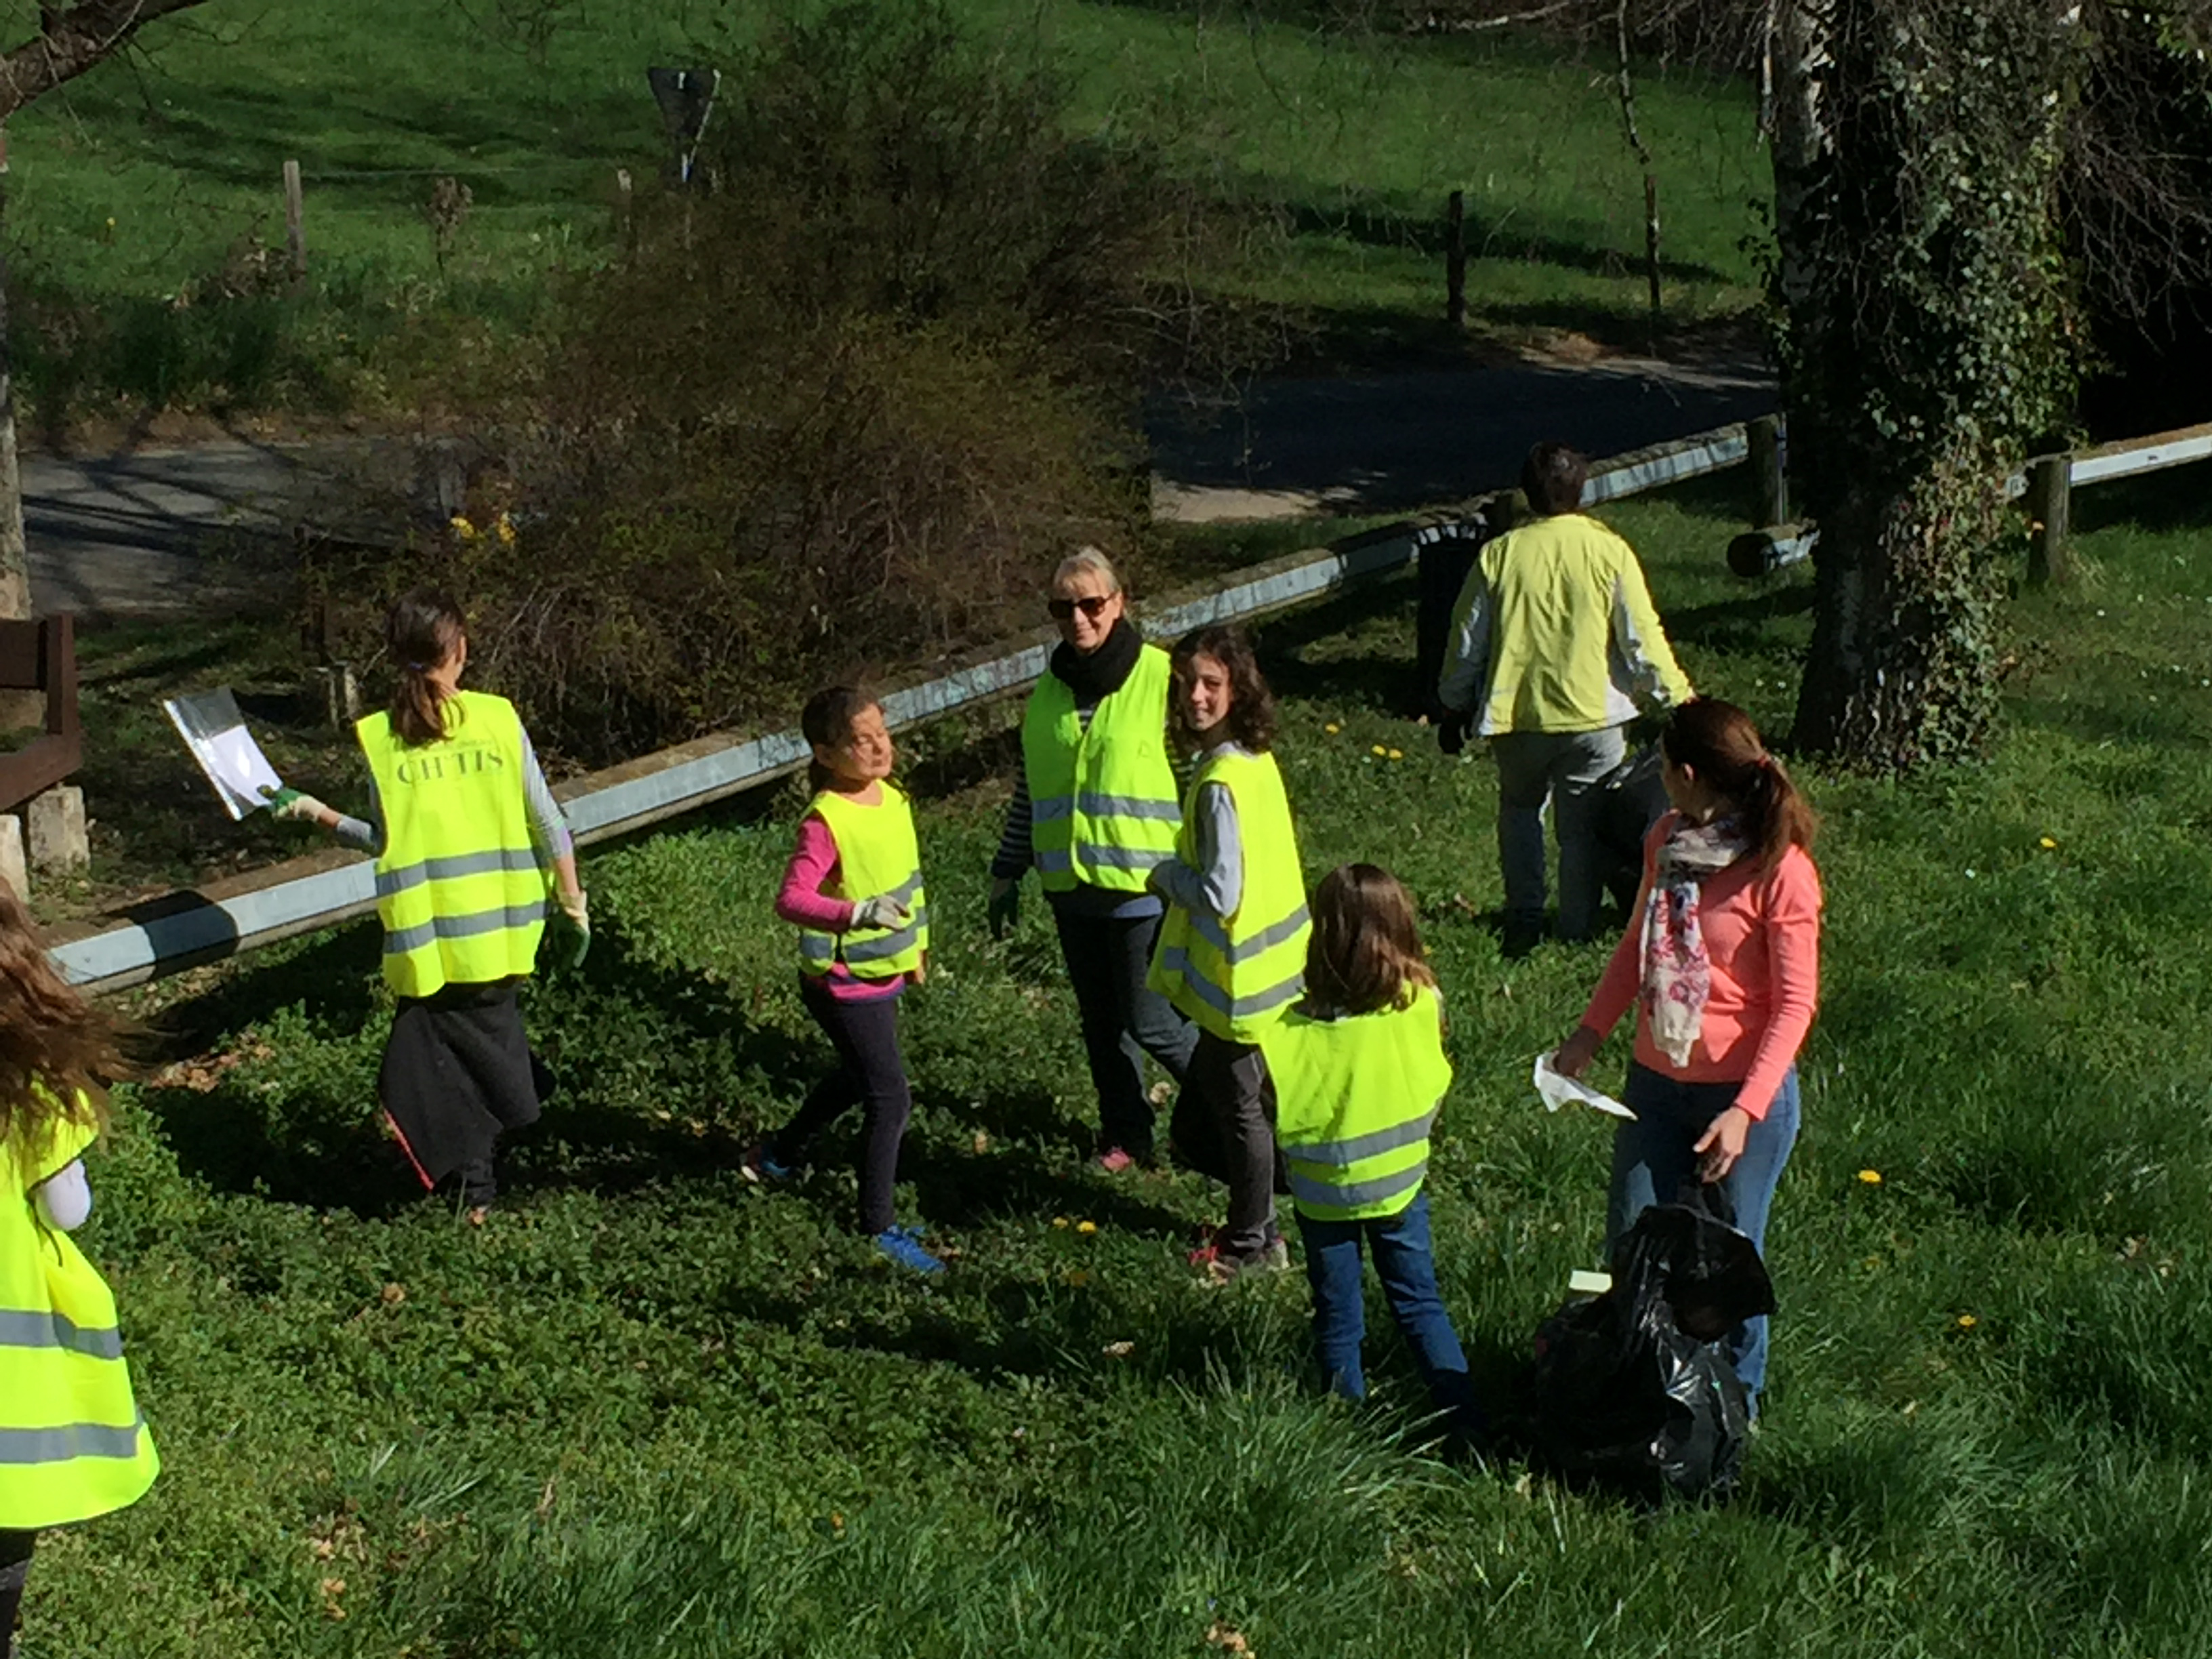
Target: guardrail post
1773,504
2050,508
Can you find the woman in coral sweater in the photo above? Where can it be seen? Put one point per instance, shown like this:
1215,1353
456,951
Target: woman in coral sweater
1722,959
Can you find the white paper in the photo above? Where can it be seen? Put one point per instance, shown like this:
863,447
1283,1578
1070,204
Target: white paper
1560,1089
1582,1282
215,733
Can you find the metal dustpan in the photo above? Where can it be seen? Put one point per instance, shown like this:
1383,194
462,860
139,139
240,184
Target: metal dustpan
214,731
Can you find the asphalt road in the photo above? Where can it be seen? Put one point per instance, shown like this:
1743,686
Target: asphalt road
191,530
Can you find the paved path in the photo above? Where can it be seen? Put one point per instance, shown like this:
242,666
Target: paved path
1390,443
163,532
159,531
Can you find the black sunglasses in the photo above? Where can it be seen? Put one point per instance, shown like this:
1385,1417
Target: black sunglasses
1090,605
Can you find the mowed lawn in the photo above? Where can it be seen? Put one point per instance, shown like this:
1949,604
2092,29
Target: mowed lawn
144,186
651,1410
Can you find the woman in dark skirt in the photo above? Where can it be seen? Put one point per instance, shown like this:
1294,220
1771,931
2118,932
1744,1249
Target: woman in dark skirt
465,831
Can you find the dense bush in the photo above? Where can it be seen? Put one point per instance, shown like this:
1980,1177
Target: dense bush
838,412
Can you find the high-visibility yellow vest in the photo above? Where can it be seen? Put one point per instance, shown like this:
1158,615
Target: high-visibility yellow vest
458,885
1355,1099
72,1444
877,853
1236,974
1102,806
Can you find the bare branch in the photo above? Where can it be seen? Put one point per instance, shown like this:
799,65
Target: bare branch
74,40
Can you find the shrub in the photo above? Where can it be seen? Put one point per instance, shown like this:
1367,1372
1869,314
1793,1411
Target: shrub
840,412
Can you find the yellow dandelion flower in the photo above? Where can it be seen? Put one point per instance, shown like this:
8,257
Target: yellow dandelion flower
1967,1322
506,528
1331,728
1060,1221
1872,1178
1379,751
2048,845
1397,754
1087,1226
463,528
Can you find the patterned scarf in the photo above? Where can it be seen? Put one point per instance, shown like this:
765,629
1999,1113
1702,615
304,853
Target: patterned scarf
1677,974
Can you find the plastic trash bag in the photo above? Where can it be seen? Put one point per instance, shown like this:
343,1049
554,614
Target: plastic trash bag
1629,799
1634,1389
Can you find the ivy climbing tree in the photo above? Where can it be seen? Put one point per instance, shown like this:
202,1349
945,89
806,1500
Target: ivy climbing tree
1925,331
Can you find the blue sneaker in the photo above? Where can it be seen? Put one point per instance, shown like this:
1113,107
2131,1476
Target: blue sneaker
760,1167
903,1246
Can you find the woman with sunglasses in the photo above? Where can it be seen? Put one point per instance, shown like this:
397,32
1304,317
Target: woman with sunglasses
1097,806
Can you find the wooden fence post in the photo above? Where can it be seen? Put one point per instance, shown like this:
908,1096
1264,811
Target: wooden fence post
1772,507
295,220
2050,510
1455,259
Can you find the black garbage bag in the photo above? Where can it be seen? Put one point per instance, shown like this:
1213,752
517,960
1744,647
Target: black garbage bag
1634,1389
1629,799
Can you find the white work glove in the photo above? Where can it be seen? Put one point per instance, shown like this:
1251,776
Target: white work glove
881,911
291,803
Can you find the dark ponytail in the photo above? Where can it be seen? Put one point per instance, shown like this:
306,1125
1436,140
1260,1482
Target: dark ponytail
826,721
1718,741
421,630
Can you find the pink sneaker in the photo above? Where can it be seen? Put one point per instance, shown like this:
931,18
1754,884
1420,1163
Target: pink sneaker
1113,1160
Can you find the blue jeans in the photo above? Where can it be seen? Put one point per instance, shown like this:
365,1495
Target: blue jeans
1652,1161
1409,1271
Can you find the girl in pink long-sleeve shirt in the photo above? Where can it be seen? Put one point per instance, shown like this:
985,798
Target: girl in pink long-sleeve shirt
854,889
1722,959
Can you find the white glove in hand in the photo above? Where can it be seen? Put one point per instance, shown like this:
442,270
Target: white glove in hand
881,911
291,803
577,908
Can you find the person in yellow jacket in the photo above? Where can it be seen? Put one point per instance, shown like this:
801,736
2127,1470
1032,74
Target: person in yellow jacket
854,889
72,1443
1095,806
1231,955
1360,1072
468,842
1553,644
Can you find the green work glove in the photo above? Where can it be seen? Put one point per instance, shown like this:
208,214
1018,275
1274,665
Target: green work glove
577,912
293,804
1003,910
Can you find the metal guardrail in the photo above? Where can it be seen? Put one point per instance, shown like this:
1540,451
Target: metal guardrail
225,917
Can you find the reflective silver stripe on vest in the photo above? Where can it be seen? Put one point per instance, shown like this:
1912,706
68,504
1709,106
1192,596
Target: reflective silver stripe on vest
1359,1148
1052,808
470,927
1208,927
500,860
885,946
817,947
22,1447
1352,1194
906,889
1174,959
21,1329
1050,858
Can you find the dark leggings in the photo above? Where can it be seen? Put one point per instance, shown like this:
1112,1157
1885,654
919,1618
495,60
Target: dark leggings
872,1075
15,1568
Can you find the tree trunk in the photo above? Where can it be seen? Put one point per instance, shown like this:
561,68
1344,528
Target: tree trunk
14,555
1922,299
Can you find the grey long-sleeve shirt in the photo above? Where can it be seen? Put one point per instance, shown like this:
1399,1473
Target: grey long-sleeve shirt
1216,884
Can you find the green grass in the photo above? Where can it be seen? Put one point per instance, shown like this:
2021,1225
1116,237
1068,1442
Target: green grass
653,1410
133,189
